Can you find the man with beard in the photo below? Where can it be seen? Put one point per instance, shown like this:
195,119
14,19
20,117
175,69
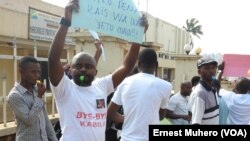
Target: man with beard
78,100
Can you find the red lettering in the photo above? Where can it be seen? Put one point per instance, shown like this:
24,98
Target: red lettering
90,116
95,124
100,116
103,115
84,115
79,115
92,124
89,124
83,123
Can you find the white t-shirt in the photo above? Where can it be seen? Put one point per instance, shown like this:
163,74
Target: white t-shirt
83,110
179,105
239,108
141,95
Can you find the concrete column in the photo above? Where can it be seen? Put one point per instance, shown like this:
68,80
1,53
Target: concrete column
15,59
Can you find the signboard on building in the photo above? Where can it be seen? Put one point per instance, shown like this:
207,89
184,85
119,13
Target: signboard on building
43,26
117,18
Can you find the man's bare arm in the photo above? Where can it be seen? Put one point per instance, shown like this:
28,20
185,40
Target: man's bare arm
98,51
113,114
55,67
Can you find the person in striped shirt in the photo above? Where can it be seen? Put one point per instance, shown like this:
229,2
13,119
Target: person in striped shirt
203,101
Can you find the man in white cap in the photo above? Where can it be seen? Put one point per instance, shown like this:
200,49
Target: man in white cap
203,102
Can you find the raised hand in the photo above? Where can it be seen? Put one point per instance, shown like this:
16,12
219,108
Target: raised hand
144,22
40,89
98,52
98,44
221,66
72,5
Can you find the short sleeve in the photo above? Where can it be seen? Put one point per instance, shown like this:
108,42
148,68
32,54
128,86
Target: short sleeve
166,95
197,110
59,91
117,97
106,83
172,103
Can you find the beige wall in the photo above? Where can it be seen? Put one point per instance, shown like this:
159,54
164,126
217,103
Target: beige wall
14,25
185,69
8,71
173,40
14,15
170,36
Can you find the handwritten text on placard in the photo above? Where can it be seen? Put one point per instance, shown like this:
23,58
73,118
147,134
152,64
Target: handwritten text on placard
118,18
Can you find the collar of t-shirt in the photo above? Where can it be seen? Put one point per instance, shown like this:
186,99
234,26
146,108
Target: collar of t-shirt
207,87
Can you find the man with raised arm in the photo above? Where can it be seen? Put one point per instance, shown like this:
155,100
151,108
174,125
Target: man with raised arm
81,102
